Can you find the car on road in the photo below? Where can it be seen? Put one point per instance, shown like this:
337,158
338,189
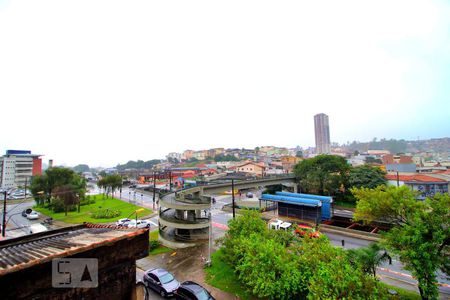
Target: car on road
190,290
138,224
26,212
34,215
161,281
249,195
123,222
305,229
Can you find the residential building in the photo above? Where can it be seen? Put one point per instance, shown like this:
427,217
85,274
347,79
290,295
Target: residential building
402,168
250,167
378,153
288,162
187,154
322,134
200,155
397,159
425,185
174,155
18,167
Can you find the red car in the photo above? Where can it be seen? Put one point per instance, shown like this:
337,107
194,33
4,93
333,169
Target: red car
304,229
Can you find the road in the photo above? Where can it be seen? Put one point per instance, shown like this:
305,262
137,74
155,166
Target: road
18,225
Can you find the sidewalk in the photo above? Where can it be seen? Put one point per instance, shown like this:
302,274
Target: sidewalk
184,264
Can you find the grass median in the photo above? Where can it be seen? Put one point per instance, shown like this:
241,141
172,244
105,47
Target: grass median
86,211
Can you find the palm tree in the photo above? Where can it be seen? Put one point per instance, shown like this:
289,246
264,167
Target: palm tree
369,258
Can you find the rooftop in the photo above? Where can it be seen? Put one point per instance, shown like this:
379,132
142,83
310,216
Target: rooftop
24,252
414,178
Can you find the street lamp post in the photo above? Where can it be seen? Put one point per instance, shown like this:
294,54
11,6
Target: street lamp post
232,197
4,214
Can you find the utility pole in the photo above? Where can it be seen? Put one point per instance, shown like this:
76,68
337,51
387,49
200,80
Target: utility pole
170,181
232,197
154,190
398,181
4,214
210,235
26,187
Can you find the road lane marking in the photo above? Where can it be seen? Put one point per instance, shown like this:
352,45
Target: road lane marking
408,276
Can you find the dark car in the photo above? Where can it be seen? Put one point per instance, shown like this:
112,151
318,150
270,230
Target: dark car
161,282
190,290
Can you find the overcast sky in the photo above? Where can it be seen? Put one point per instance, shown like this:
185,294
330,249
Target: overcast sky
104,82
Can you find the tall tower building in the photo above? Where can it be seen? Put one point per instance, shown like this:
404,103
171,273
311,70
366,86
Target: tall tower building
322,132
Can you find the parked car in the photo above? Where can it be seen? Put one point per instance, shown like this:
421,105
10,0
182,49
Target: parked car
26,212
123,222
139,224
161,281
249,195
33,215
190,290
304,229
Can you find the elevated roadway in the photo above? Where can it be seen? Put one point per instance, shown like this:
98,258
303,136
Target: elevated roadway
183,214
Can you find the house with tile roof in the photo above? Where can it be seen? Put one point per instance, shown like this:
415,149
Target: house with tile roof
425,185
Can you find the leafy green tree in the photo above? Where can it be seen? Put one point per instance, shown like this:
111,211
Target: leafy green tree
81,168
269,270
249,223
366,176
421,235
68,194
51,178
339,279
323,174
330,273
388,203
110,183
299,154
140,164
58,183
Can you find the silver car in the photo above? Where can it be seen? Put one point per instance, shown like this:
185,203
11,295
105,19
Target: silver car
161,281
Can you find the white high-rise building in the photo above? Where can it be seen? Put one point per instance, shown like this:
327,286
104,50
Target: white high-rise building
322,134
8,172
17,167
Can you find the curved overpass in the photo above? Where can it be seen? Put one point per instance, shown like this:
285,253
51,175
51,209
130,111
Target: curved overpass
184,216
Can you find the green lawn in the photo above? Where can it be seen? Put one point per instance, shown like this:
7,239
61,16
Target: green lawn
402,293
160,249
221,276
85,213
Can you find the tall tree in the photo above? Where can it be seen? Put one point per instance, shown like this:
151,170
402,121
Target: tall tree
366,176
68,194
110,183
51,179
421,235
323,174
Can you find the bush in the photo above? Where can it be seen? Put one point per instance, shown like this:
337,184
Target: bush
106,213
154,244
57,205
87,200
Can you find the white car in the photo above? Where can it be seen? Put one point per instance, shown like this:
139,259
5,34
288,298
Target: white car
33,215
123,222
139,224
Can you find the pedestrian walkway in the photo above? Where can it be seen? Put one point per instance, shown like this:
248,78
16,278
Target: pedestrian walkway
184,264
